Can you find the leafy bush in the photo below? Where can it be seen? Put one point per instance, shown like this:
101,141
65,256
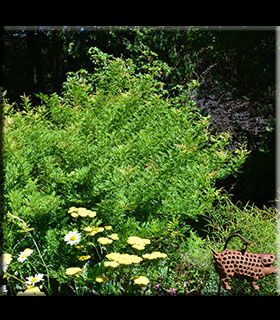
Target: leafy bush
117,143
114,142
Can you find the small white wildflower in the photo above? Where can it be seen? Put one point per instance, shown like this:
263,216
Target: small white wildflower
24,254
37,278
72,237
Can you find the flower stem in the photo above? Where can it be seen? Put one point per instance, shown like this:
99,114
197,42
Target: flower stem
48,275
11,275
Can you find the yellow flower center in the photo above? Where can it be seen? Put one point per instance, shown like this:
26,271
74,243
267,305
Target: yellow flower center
34,279
72,238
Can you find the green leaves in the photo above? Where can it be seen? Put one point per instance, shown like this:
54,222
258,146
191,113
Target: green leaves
26,102
114,140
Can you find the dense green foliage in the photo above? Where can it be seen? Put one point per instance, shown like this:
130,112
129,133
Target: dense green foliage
116,142
113,142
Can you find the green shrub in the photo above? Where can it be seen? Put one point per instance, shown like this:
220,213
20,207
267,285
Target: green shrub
115,142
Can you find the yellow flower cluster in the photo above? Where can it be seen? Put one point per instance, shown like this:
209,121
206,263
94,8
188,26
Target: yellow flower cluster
154,255
92,231
82,212
138,243
73,271
112,264
141,280
104,240
124,258
114,236
31,291
114,258
101,278
84,257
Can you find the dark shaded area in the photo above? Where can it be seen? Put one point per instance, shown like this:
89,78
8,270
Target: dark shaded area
256,184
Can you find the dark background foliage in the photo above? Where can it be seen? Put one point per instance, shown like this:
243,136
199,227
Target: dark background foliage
235,69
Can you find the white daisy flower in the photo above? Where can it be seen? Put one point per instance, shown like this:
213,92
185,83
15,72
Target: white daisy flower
72,237
24,254
32,280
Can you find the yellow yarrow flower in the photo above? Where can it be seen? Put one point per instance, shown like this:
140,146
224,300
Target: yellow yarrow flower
114,236
138,246
80,247
31,291
123,258
112,264
154,255
135,259
91,214
104,240
73,271
138,242
132,240
113,256
96,230
84,258
101,278
82,212
87,229
72,209
74,214
141,280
